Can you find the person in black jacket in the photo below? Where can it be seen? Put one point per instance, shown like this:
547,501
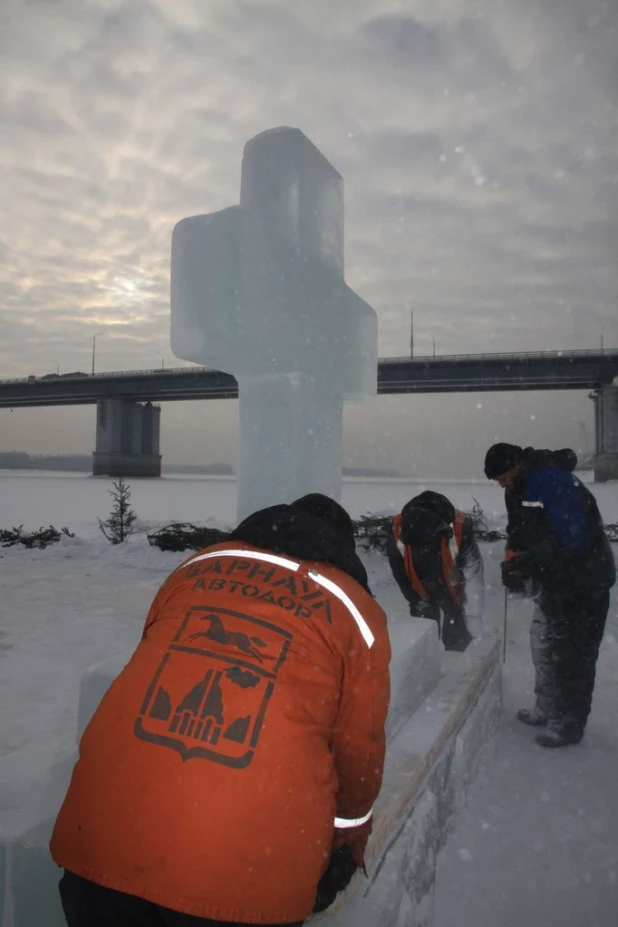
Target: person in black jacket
436,563
556,544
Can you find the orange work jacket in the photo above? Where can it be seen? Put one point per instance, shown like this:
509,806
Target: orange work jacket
449,551
242,742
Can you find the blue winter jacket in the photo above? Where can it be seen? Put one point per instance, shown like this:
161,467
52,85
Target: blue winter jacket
555,522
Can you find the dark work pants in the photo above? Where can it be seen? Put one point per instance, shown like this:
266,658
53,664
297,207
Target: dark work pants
450,620
87,904
565,637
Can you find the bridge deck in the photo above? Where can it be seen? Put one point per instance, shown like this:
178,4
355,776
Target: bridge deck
546,370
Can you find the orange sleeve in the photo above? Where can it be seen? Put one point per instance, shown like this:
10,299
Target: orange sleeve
169,586
359,736
165,591
152,614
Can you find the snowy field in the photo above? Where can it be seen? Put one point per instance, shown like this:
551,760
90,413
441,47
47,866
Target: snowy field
538,845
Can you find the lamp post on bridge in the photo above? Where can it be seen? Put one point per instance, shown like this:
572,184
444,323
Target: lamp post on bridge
162,360
94,344
57,367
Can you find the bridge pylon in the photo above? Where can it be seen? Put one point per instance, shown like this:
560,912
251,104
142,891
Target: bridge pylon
605,460
127,439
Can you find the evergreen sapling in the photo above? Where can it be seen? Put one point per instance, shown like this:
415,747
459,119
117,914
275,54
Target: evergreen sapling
120,523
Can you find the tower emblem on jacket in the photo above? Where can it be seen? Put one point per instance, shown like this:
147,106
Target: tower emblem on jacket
211,690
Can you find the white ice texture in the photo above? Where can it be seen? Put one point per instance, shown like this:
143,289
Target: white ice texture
33,783
28,876
257,290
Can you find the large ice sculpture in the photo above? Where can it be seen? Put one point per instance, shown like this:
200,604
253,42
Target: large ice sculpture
257,290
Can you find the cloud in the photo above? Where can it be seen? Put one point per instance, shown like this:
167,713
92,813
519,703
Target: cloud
462,53
479,155
403,41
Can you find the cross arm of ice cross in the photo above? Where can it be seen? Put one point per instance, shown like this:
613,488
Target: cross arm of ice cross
258,289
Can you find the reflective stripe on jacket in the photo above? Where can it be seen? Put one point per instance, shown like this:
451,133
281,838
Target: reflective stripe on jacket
449,549
243,741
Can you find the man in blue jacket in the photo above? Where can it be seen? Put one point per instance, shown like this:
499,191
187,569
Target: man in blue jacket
556,544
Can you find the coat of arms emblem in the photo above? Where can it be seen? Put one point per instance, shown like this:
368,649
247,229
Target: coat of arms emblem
211,690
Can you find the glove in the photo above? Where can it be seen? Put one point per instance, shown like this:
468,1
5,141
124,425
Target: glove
423,609
337,877
514,575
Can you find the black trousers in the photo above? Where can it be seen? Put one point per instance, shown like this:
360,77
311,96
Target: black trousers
450,620
565,637
87,904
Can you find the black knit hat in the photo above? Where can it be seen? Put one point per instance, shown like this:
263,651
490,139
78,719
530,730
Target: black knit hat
502,457
422,527
433,502
328,510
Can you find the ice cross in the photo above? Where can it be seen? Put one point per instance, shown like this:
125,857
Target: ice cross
257,290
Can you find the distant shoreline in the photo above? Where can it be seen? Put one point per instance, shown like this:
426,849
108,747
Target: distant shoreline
231,478
20,461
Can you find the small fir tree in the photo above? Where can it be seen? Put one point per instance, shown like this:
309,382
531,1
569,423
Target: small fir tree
120,523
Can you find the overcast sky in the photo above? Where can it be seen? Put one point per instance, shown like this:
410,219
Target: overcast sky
479,147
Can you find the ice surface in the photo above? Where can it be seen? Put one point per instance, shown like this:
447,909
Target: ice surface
299,450
34,879
258,291
33,783
415,664
76,500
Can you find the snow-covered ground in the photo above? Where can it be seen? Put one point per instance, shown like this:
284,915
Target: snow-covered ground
78,601
538,845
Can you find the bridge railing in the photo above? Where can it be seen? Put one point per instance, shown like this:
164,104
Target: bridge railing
519,355
47,377
425,359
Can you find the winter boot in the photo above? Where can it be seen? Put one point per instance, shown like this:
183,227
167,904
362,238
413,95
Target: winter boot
557,738
532,716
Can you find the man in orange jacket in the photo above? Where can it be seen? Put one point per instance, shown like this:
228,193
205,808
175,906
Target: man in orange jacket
436,563
232,767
